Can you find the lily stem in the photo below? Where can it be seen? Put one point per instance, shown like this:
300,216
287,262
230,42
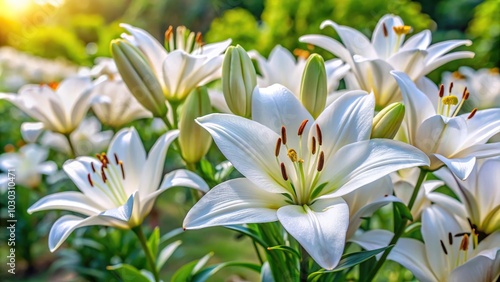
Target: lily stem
71,148
304,263
149,256
398,230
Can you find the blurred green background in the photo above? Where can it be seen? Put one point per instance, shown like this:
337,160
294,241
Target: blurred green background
76,32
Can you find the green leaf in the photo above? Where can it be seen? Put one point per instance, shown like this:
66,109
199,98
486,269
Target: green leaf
348,261
413,227
249,232
403,211
207,168
170,235
153,241
165,254
285,249
128,272
206,273
187,271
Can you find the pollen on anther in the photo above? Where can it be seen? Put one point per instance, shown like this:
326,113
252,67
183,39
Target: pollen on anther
319,134
283,172
464,245
283,135
90,180
292,154
302,127
450,100
321,161
471,115
278,147
444,248
168,33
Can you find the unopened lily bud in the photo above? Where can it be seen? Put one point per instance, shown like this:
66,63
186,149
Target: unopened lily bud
387,122
313,89
139,77
238,81
193,139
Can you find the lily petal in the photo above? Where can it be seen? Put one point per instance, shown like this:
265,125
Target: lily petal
330,45
68,200
123,213
484,267
347,120
249,146
420,41
355,41
319,228
384,38
153,168
460,167
30,131
364,162
65,225
235,201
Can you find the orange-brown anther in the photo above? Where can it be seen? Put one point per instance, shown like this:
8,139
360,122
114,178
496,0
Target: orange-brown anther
321,161
441,91
464,245
92,166
471,115
302,127
283,135
319,134
465,94
451,87
384,29
450,238
53,85
168,33
278,147
283,172
313,149
103,174
304,54
199,38
90,180
116,158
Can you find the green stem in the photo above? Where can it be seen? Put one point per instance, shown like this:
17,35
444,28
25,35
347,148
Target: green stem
149,256
167,122
257,252
304,269
72,149
398,230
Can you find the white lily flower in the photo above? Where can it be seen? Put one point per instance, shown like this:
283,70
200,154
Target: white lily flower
450,251
187,63
372,61
59,108
478,195
117,106
291,165
87,139
483,85
117,189
447,138
281,59
28,165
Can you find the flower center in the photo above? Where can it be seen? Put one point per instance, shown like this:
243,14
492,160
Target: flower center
402,29
108,177
457,250
184,39
445,103
301,168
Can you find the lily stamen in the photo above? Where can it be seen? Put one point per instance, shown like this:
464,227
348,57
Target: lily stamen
302,127
384,29
321,161
283,135
123,170
319,134
283,172
313,145
471,115
278,147
90,180
444,248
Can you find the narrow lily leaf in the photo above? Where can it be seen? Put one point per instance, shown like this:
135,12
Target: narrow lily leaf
206,273
153,242
207,169
170,235
286,249
187,272
348,261
128,272
165,254
413,227
249,232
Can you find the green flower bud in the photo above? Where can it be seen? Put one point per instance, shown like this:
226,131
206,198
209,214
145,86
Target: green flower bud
313,88
139,77
387,122
193,139
238,81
